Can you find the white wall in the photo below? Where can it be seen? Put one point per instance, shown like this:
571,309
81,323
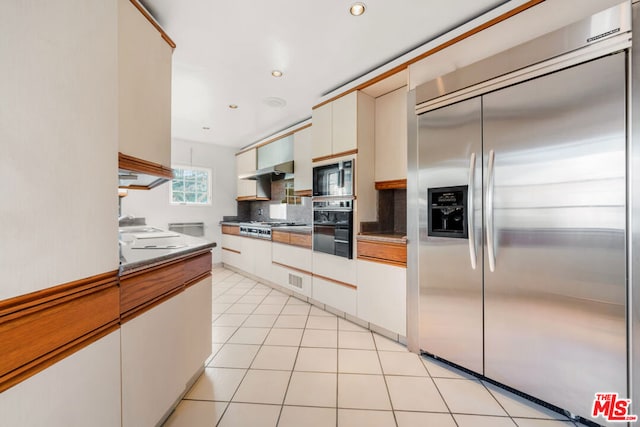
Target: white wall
154,204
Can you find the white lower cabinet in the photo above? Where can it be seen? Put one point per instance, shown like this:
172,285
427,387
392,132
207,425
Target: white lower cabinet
291,268
335,267
260,254
196,333
247,254
162,349
78,391
232,250
382,295
339,296
334,282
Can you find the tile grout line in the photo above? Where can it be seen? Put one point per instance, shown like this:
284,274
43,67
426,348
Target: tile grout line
248,368
384,378
284,398
439,392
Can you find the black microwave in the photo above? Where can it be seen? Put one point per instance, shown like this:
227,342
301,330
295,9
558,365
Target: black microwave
335,179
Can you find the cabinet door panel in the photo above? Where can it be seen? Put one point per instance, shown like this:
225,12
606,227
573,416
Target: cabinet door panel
391,136
302,143
345,123
382,295
322,133
144,71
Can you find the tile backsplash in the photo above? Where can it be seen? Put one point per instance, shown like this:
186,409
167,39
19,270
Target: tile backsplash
297,209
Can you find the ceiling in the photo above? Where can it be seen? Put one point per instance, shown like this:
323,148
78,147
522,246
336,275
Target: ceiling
226,51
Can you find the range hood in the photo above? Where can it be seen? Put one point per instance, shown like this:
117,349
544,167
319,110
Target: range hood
275,172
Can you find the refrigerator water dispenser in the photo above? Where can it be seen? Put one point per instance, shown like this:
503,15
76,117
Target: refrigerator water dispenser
448,212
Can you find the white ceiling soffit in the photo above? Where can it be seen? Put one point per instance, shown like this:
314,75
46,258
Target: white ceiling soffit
226,51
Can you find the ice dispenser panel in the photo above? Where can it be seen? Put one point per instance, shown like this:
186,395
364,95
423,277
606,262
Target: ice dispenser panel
448,212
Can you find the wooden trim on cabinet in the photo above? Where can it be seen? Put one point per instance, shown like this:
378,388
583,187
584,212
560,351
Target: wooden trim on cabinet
383,252
196,266
301,240
303,193
231,229
153,22
280,237
299,270
41,328
197,279
135,164
337,282
436,49
153,285
335,156
396,184
270,140
231,250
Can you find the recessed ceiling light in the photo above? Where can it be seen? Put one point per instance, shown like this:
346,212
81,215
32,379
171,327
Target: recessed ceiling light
233,106
276,73
205,128
357,9
275,102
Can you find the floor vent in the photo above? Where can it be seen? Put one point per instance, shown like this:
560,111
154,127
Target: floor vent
295,281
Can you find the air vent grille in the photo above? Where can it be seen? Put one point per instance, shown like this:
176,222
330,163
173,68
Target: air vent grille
295,281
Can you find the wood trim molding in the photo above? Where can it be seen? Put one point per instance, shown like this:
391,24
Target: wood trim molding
270,140
301,240
397,184
135,164
278,236
142,290
299,270
41,328
231,250
231,229
436,49
153,22
197,279
303,193
294,239
337,282
383,252
335,156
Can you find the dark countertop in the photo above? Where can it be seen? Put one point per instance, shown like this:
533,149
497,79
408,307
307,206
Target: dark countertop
383,237
143,249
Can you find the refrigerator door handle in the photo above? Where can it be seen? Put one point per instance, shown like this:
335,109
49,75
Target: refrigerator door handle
470,211
489,213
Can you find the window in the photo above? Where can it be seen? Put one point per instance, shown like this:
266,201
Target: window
191,186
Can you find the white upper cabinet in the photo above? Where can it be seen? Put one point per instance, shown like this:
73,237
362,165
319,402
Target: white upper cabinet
391,136
302,173
345,123
246,163
337,125
144,88
322,130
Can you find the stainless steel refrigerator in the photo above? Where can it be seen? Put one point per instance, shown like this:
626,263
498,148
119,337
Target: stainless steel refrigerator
522,225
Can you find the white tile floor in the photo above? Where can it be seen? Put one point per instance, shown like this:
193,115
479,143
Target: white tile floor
278,361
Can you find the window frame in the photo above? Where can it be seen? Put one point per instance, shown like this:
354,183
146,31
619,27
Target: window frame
209,192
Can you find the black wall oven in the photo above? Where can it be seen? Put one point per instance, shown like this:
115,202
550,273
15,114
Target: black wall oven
333,180
333,227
